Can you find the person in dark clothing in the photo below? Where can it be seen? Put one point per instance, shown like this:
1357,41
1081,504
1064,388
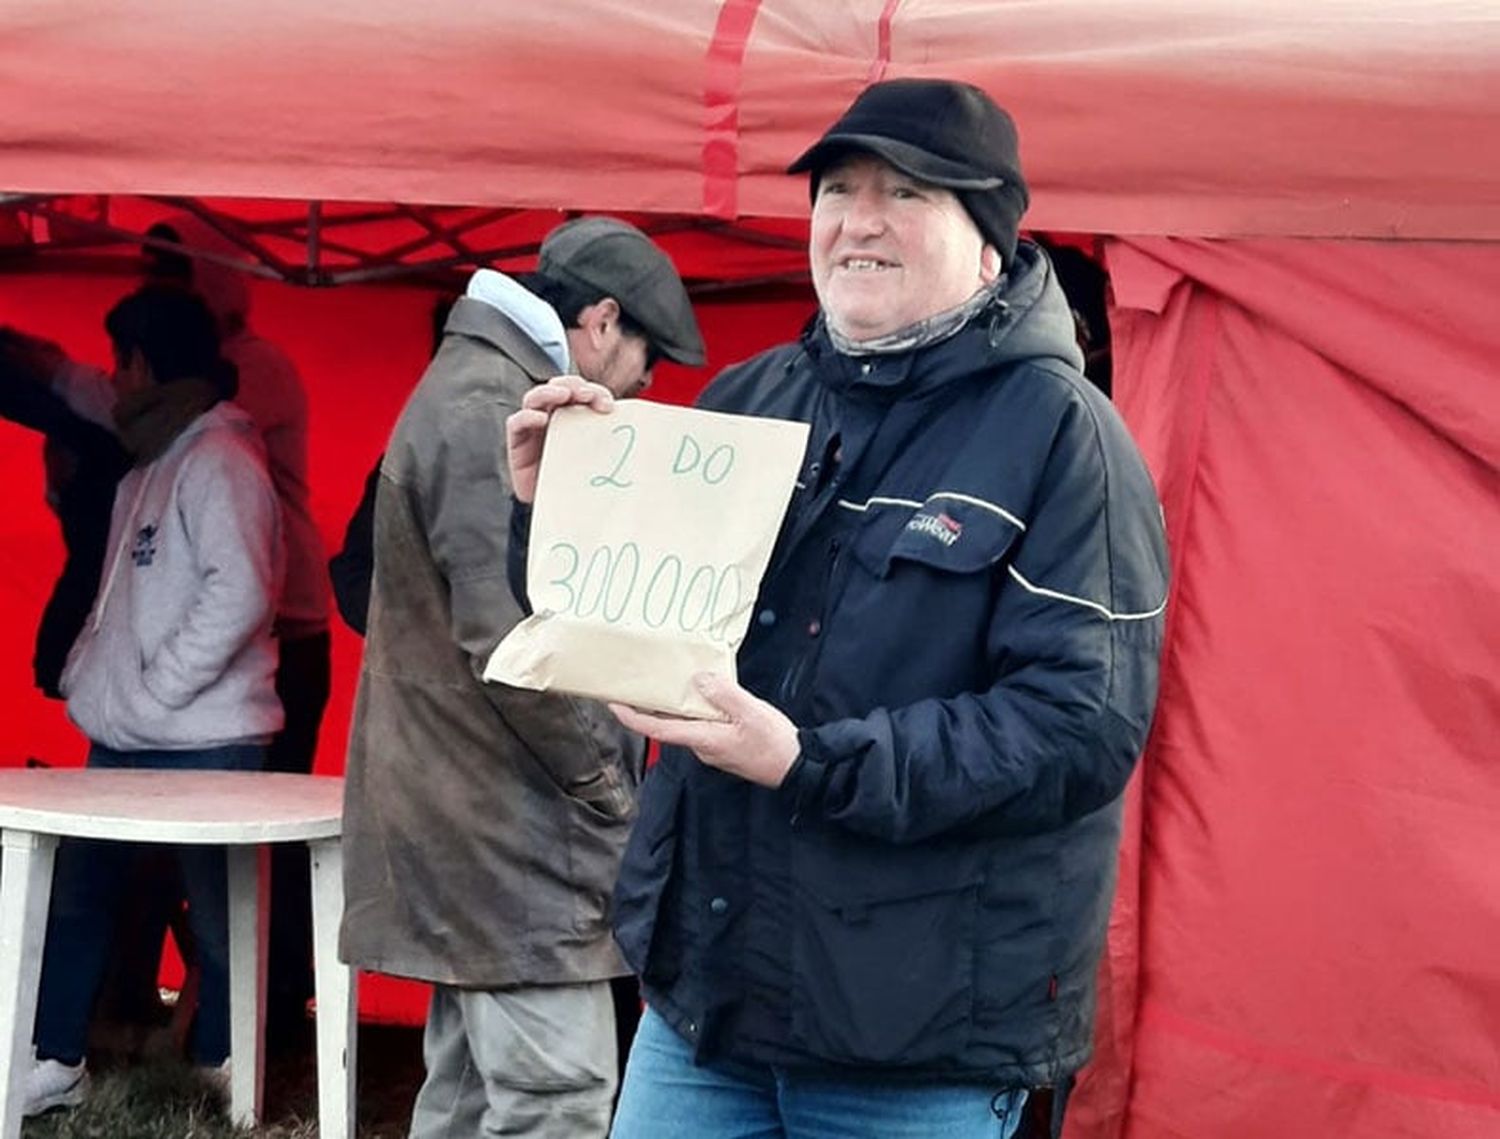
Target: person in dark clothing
350,569
1086,285
871,899
84,463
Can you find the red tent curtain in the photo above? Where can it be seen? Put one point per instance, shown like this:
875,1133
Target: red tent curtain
1304,943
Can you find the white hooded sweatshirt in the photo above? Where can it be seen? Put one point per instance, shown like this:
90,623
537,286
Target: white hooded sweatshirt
177,652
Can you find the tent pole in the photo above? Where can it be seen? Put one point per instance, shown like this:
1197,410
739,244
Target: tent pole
314,239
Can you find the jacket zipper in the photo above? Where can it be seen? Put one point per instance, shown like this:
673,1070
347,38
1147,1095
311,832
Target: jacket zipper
126,538
127,534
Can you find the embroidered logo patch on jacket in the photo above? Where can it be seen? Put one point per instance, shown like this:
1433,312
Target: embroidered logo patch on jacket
143,552
945,528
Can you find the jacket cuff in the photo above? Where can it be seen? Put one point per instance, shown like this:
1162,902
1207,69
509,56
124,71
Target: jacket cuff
516,551
803,785
520,521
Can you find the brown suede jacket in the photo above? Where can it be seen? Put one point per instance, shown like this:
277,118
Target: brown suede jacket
483,825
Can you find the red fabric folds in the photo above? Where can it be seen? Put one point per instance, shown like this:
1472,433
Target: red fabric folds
883,41
721,107
1317,867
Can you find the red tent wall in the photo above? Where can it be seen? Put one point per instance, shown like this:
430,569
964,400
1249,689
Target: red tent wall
1305,935
360,351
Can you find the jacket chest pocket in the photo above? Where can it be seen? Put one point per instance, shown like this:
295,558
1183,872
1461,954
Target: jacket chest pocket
952,535
883,952
917,605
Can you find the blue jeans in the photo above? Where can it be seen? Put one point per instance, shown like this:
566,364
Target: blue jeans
667,1096
87,882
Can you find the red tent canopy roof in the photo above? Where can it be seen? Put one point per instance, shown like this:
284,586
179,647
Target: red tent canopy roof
1372,118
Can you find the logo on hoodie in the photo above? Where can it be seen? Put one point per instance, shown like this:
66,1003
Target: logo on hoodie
143,552
944,527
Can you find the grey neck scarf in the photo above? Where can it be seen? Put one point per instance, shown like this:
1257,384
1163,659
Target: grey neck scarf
931,330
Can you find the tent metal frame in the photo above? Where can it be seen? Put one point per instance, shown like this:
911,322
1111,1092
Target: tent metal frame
321,234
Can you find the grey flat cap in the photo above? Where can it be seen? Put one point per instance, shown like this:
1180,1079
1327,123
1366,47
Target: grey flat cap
620,261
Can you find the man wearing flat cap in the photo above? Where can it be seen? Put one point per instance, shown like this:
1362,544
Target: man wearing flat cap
483,825
871,900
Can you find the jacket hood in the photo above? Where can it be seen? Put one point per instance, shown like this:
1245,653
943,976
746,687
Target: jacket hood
223,416
1039,320
223,288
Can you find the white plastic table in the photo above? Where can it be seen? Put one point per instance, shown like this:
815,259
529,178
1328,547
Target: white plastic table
241,811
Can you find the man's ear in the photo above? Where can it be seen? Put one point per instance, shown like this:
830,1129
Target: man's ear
598,318
990,264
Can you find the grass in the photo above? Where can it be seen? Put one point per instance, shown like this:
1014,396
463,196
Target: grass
166,1099
159,1100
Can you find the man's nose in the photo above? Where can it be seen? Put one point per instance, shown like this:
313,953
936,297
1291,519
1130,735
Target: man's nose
866,214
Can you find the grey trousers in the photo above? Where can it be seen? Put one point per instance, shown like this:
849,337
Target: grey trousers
538,1062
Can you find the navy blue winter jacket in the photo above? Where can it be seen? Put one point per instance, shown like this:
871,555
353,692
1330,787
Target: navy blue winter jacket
963,616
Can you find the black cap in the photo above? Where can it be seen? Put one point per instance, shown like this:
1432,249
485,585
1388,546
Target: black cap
941,132
618,260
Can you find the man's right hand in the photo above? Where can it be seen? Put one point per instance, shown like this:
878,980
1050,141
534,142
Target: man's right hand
526,430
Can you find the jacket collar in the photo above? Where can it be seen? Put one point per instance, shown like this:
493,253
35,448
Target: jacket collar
529,312
480,321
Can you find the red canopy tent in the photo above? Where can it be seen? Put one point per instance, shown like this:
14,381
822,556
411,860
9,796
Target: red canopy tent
1299,208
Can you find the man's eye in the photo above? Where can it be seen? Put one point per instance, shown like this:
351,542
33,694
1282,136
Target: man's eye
833,187
904,193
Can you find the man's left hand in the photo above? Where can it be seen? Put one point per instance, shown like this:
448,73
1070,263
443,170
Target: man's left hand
755,741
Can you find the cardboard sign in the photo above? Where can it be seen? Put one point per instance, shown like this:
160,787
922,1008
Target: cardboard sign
651,530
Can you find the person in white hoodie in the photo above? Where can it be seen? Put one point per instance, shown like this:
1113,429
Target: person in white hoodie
175,667
271,391
185,252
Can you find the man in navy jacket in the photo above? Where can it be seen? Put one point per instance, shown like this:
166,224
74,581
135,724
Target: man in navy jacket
872,899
